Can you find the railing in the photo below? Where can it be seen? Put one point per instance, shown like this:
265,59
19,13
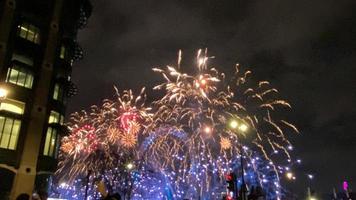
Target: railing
85,12
71,89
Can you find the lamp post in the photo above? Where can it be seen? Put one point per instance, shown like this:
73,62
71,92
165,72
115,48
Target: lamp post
3,93
241,127
87,185
129,166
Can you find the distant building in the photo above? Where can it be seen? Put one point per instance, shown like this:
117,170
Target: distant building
37,49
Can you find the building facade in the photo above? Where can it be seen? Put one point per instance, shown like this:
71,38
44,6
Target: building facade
37,50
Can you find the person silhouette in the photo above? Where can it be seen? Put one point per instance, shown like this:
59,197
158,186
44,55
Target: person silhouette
23,196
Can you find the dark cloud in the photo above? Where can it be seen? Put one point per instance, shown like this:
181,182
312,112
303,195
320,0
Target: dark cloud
307,48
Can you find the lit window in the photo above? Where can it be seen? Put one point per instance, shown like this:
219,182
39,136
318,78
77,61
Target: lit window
29,32
9,132
13,106
62,53
58,93
23,59
19,76
55,117
51,143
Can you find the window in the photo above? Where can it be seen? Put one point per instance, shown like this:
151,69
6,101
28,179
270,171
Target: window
19,76
23,59
51,143
29,32
13,106
9,132
62,53
58,92
55,117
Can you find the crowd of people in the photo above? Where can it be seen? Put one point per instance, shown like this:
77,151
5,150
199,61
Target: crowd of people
44,196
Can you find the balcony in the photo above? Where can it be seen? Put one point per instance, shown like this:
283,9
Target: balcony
84,13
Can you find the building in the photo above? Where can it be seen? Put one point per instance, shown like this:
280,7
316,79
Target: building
37,50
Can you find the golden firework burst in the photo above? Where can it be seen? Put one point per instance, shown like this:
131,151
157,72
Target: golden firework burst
225,143
128,140
134,128
113,134
67,147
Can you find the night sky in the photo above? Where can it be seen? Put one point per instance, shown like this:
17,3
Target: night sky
305,48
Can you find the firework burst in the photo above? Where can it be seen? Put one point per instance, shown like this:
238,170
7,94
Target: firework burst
195,134
103,138
220,116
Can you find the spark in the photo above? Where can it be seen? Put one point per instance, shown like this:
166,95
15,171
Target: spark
171,139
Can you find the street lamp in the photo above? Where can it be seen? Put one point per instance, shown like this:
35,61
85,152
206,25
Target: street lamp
290,176
237,125
240,127
3,93
130,166
233,124
243,127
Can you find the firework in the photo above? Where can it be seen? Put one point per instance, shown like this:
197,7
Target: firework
220,117
103,138
185,143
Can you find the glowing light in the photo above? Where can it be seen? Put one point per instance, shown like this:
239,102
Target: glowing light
289,175
130,166
234,124
310,176
208,130
3,93
173,140
243,127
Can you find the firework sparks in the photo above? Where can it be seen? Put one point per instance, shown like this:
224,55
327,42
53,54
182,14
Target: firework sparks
192,101
189,139
225,143
103,138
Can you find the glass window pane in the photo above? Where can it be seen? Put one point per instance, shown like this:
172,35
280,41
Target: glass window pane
15,134
47,142
53,117
9,132
21,79
53,143
12,78
2,121
63,52
22,31
57,145
37,38
19,76
6,133
55,92
13,106
29,32
29,81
